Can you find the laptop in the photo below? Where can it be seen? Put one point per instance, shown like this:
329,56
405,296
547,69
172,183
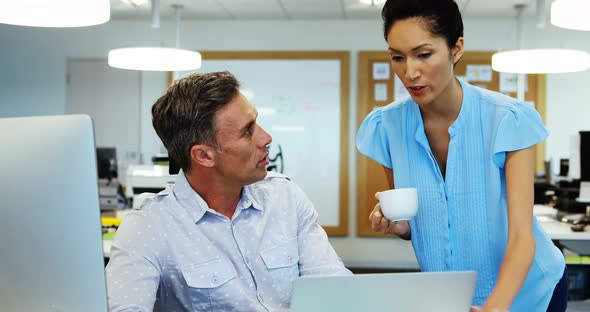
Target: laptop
49,216
413,292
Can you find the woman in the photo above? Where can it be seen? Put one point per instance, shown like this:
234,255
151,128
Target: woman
469,152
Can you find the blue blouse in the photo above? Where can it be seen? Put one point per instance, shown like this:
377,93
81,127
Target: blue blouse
462,220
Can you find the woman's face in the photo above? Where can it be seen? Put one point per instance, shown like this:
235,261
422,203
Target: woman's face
422,61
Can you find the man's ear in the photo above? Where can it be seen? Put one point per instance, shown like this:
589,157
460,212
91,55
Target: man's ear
203,155
458,50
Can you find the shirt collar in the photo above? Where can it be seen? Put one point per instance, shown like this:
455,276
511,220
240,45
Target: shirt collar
466,103
196,206
248,199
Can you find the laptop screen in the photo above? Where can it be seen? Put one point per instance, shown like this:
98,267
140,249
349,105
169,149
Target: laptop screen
416,292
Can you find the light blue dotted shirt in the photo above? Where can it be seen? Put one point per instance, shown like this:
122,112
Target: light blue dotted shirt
462,220
177,254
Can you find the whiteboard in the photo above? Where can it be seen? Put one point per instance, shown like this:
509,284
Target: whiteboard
299,103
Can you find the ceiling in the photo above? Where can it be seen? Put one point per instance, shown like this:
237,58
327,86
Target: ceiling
299,9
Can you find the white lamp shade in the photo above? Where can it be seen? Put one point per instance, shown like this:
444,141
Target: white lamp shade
154,59
55,13
571,14
373,2
541,61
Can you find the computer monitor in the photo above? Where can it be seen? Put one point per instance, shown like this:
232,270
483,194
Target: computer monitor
106,160
50,233
585,156
564,167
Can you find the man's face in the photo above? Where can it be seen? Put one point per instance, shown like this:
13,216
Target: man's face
242,155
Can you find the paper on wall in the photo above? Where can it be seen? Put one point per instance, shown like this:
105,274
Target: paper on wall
509,82
479,73
380,92
381,71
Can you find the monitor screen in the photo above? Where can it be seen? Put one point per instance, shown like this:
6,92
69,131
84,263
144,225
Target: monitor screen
50,233
106,161
585,156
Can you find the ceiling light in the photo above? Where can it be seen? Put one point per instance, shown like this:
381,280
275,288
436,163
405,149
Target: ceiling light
571,14
55,13
373,2
135,2
156,58
538,61
541,61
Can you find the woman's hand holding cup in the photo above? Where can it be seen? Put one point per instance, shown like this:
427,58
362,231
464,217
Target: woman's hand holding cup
390,216
380,224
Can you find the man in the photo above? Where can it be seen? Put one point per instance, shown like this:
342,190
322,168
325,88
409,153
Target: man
228,235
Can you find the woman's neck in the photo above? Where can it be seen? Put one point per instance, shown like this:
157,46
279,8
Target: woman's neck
447,106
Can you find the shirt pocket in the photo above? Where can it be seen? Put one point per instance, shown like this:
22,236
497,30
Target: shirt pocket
211,274
282,263
209,282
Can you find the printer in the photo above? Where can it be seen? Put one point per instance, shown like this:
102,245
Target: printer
147,179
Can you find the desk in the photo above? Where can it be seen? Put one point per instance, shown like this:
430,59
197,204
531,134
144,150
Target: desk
578,242
561,231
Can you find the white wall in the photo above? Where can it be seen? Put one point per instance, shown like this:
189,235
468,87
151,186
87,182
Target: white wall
568,109
33,67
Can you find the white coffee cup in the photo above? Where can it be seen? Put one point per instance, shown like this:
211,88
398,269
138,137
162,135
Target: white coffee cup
399,204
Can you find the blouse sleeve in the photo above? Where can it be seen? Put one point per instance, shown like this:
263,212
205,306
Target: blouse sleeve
520,128
371,139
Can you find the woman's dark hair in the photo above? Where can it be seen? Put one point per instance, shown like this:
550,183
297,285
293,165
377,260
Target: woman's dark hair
185,115
442,15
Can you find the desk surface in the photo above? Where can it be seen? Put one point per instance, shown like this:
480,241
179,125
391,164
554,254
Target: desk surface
555,229
545,215
560,230
578,242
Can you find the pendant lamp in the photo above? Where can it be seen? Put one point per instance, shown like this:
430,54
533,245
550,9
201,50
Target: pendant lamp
538,61
55,13
156,58
541,61
571,14
373,2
